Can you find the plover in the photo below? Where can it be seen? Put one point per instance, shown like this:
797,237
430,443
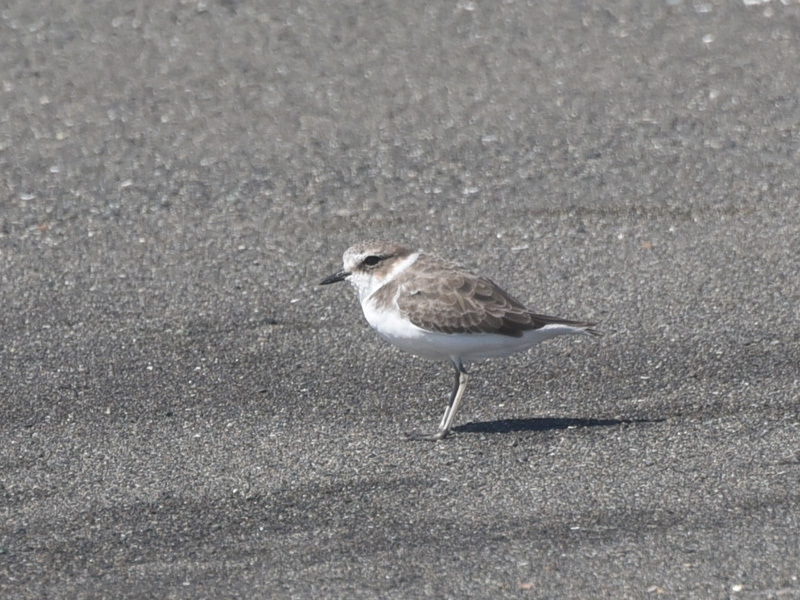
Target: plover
435,309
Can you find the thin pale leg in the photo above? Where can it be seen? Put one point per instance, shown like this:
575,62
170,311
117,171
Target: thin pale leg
452,399
456,395
459,392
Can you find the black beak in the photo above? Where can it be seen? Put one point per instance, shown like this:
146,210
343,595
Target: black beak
340,276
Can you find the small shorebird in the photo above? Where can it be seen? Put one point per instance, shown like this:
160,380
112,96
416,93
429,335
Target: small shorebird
435,309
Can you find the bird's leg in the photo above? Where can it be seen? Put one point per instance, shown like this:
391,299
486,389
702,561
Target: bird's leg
457,395
459,386
451,400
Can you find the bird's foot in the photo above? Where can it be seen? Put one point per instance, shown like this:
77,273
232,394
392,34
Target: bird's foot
435,436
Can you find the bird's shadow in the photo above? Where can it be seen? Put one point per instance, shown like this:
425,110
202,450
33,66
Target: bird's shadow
545,424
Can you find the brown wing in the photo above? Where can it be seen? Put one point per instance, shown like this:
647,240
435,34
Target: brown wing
443,297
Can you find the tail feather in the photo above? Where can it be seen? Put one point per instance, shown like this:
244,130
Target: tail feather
588,328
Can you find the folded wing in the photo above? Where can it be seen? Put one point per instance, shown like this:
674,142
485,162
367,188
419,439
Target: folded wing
445,298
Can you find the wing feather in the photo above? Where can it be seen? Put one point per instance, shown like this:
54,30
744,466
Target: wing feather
440,296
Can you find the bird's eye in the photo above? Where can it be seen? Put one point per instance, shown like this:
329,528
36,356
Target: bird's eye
371,261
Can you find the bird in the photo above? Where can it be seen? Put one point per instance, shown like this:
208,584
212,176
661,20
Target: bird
435,309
